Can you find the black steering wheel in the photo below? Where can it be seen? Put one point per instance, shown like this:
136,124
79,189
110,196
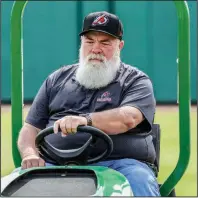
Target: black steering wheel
73,156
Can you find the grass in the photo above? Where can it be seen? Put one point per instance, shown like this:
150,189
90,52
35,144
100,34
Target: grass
169,152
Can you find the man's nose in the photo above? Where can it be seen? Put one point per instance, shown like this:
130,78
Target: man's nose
96,48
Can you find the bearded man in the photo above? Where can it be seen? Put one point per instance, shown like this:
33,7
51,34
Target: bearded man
103,92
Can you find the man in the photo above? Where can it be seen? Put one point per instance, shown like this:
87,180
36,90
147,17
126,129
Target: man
105,93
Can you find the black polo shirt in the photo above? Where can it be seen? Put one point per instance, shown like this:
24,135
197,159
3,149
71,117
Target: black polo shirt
62,95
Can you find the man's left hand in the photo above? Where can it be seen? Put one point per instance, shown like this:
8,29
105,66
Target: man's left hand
69,124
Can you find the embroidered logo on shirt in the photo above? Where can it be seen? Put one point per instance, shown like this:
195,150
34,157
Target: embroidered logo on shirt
104,97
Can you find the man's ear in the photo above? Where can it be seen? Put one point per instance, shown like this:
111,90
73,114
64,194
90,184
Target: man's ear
121,45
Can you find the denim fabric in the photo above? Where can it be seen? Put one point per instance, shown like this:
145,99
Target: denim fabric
140,176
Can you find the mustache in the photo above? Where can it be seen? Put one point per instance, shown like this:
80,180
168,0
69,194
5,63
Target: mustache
96,56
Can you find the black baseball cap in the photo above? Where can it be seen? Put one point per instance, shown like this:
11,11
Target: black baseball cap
103,22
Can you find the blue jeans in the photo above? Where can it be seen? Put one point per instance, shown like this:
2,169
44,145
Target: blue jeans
140,176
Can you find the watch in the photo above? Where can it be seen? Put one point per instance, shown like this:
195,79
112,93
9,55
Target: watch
88,117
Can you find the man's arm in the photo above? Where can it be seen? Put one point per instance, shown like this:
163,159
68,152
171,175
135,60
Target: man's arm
26,140
117,120
37,119
26,145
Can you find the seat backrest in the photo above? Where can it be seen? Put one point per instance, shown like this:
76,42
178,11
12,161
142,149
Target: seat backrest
156,141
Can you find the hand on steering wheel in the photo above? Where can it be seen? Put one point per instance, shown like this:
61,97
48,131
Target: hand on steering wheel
69,124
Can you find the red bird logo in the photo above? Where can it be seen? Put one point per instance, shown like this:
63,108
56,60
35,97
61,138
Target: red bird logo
105,94
100,20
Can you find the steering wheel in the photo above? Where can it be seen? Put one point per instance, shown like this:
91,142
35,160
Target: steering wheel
77,156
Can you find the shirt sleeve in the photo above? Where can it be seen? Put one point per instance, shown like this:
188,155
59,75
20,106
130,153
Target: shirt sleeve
140,95
38,114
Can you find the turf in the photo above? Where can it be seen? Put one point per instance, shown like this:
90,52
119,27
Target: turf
169,152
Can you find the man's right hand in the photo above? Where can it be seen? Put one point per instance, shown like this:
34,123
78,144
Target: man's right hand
32,161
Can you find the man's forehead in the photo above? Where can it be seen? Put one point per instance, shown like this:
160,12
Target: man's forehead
100,35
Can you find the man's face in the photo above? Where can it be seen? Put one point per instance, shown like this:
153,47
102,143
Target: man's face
99,59
99,43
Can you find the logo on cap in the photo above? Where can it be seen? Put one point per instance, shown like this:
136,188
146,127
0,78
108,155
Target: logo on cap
100,20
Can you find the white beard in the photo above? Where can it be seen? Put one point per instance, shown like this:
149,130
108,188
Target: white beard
94,75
